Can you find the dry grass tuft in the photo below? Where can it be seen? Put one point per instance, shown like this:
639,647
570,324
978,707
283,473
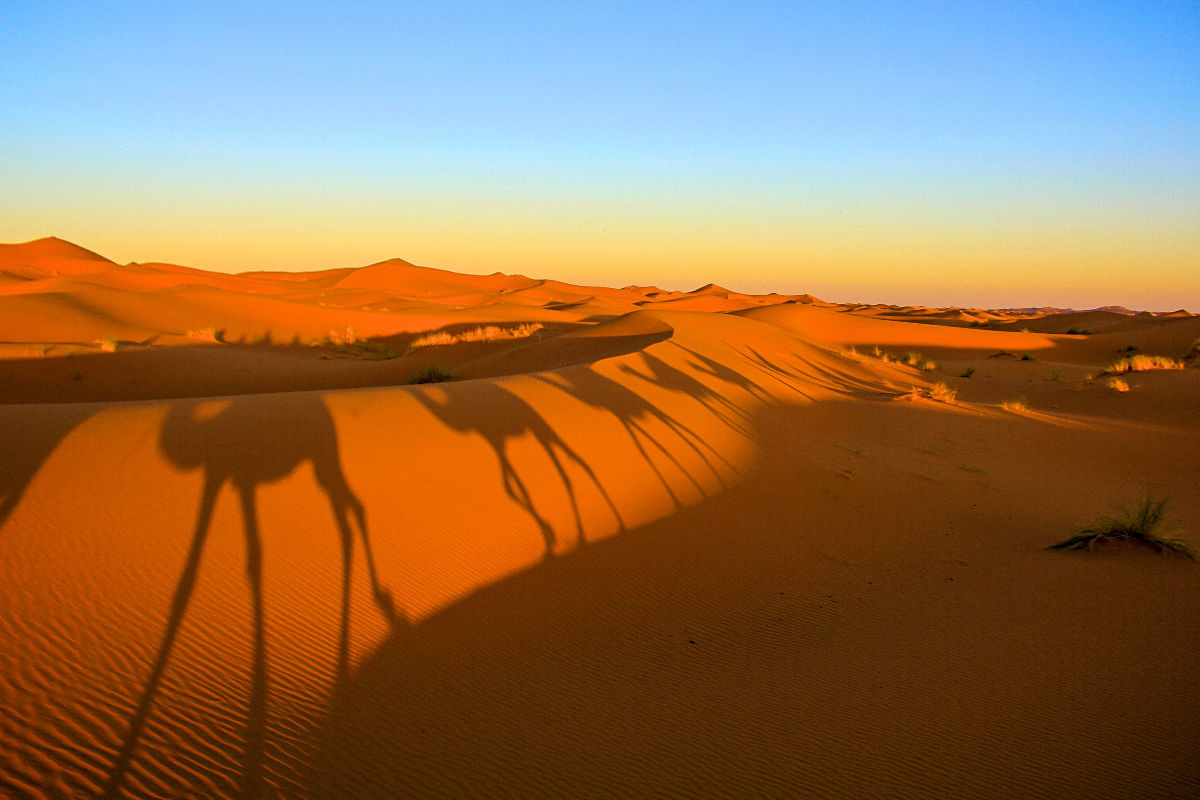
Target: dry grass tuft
942,393
1118,385
205,334
1016,405
914,359
108,344
939,392
1141,364
1144,523
485,333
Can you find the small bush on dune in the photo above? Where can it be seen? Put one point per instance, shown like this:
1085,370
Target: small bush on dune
1079,332
914,359
939,392
968,372
1141,364
1118,385
1027,357
108,344
431,374
1144,523
942,393
1016,404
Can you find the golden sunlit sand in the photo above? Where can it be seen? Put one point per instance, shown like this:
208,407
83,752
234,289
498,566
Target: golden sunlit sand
400,532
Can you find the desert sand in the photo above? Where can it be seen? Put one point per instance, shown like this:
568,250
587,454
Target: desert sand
643,543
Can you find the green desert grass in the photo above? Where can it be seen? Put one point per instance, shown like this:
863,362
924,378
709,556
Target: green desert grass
1145,522
1141,363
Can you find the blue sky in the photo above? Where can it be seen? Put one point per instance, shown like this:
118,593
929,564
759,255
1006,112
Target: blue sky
967,153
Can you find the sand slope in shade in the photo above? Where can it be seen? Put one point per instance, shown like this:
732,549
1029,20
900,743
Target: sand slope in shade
668,544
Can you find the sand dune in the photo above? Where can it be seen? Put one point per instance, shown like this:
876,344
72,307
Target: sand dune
645,549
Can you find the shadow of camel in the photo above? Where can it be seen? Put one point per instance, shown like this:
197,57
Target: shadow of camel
633,412
508,418
247,443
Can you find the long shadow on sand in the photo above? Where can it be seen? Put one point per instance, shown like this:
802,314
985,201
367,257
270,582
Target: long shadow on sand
510,418
634,413
247,444
583,676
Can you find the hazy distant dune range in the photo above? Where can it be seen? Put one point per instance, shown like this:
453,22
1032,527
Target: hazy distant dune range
667,551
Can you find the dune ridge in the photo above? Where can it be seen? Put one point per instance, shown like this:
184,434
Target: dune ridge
666,544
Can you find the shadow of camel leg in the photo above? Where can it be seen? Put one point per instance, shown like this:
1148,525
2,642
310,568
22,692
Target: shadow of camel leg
383,597
347,537
344,504
256,720
515,487
179,604
571,454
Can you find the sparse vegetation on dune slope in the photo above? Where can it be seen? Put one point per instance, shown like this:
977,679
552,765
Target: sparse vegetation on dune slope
1141,364
1145,523
484,333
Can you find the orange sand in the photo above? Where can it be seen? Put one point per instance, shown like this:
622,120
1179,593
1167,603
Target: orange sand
667,544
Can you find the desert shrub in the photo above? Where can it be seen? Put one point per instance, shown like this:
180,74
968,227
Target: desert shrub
1078,332
1118,385
1145,522
1027,357
1141,364
1016,404
942,393
431,374
915,359
939,392
345,336
108,344
968,372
